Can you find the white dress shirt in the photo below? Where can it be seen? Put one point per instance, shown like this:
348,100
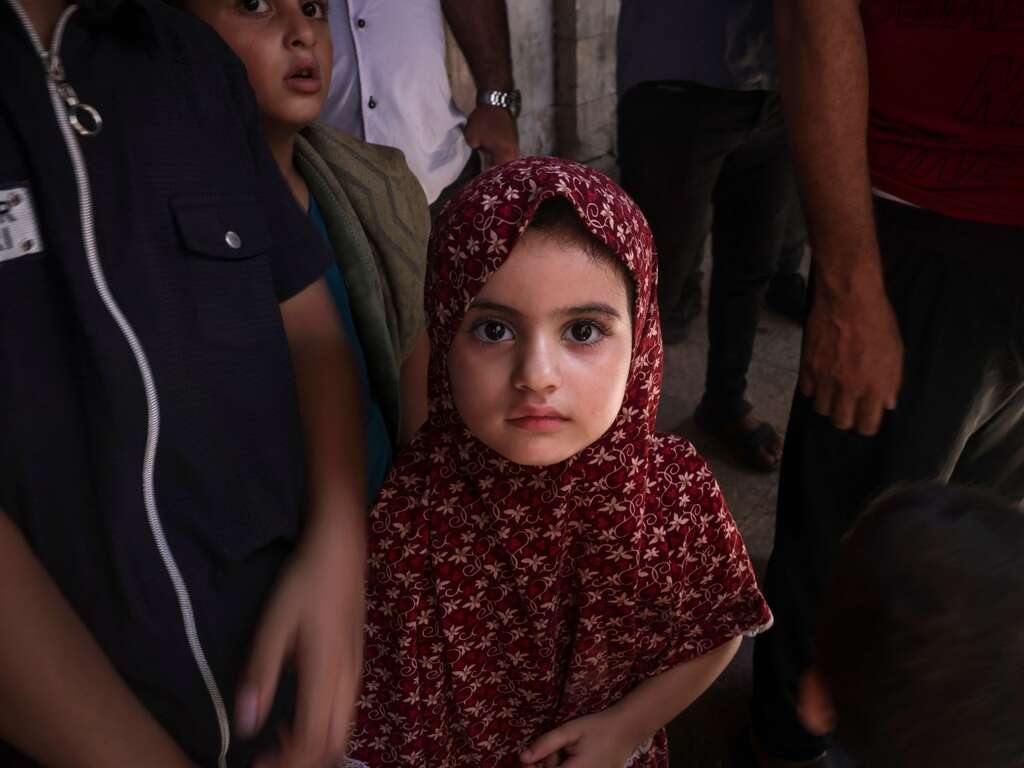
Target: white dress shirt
389,85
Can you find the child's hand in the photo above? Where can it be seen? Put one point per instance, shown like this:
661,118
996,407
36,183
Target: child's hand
594,741
315,616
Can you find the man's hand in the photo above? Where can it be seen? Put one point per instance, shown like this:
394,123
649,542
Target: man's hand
852,365
315,617
493,131
594,741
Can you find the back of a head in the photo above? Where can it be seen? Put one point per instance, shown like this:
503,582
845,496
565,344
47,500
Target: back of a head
920,634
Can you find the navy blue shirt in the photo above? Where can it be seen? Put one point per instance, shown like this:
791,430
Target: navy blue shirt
148,414
718,43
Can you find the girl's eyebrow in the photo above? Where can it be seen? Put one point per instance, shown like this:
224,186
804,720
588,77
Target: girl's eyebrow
494,306
598,307
587,309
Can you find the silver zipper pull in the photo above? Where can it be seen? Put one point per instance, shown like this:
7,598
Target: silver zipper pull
84,118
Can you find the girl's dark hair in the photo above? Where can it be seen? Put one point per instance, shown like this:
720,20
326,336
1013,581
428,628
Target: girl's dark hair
920,635
556,217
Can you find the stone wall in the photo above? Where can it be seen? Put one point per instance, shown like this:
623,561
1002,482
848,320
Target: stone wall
585,32
563,55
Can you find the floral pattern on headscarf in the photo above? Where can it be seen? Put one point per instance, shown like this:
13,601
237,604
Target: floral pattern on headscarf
503,600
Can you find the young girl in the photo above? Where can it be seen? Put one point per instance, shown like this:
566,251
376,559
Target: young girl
550,581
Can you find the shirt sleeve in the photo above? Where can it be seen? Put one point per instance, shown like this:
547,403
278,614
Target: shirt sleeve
299,255
714,595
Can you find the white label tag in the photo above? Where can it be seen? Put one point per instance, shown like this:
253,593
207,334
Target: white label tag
19,233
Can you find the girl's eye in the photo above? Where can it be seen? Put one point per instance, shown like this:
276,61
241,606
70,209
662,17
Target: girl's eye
492,331
585,332
313,10
255,6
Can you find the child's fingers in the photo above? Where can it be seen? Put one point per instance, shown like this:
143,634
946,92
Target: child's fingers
259,682
341,720
318,675
550,744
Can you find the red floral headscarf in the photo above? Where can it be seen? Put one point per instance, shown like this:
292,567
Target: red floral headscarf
504,600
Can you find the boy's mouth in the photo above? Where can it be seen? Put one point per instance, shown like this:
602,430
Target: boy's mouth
304,78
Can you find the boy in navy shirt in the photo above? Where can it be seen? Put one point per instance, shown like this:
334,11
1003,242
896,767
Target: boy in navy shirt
181,474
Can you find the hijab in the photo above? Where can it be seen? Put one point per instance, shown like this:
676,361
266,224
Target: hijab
502,599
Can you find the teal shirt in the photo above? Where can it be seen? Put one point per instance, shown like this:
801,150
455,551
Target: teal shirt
378,443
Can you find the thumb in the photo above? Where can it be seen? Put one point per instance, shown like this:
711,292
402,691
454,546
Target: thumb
550,743
259,682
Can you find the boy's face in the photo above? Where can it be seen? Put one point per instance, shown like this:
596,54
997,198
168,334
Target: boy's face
538,367
286,48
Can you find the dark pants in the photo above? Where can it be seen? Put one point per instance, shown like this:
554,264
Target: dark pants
956,288
794,242
694,159
469,171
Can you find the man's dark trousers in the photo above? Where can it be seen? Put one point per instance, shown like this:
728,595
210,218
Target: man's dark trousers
697,159
956,288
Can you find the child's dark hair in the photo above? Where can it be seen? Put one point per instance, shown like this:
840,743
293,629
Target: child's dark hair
920,635
556,217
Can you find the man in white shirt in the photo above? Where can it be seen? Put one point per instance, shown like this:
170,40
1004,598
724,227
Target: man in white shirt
390,85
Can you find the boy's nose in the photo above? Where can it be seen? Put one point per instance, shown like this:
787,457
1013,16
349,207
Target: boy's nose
301,33
538,367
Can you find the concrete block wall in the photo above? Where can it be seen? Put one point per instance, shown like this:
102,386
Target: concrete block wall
585,32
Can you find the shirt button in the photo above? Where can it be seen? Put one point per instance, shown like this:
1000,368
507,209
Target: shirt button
232,239
372,103
361,23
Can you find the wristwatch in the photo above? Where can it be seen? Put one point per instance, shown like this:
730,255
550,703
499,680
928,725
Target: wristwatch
510,100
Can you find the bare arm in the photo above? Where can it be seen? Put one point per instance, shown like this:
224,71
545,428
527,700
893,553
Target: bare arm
610,737
61,701
330,405
316,613
413,380
481,29
852,363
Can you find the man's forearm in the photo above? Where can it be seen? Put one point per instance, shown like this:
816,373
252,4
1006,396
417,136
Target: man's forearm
823,61
61,701
481,29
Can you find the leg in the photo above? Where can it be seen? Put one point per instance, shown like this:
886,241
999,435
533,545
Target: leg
669,165
954,296
469,171
752,208
787,291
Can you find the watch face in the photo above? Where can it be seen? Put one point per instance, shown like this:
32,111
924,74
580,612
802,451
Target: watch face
510,100
515,103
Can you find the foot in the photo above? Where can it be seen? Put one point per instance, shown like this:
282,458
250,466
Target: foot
763,760
787,295
755,443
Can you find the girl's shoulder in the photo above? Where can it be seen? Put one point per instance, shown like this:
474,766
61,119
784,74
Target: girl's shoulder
682,482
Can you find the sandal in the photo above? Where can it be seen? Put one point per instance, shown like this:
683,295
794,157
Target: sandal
750,446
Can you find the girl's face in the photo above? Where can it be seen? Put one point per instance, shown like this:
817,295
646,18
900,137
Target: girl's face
286,48
539,365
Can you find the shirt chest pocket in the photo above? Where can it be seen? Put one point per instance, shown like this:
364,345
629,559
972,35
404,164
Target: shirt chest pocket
227,245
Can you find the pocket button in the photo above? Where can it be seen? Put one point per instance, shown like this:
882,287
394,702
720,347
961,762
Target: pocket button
232,239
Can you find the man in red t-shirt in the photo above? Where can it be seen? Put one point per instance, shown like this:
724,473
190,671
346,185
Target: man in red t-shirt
907,121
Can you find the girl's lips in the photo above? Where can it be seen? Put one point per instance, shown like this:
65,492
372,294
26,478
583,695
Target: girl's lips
539,423
303,84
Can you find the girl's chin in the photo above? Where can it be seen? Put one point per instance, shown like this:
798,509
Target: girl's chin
536,456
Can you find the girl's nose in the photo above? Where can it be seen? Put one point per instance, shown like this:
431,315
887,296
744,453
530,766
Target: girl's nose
538,367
